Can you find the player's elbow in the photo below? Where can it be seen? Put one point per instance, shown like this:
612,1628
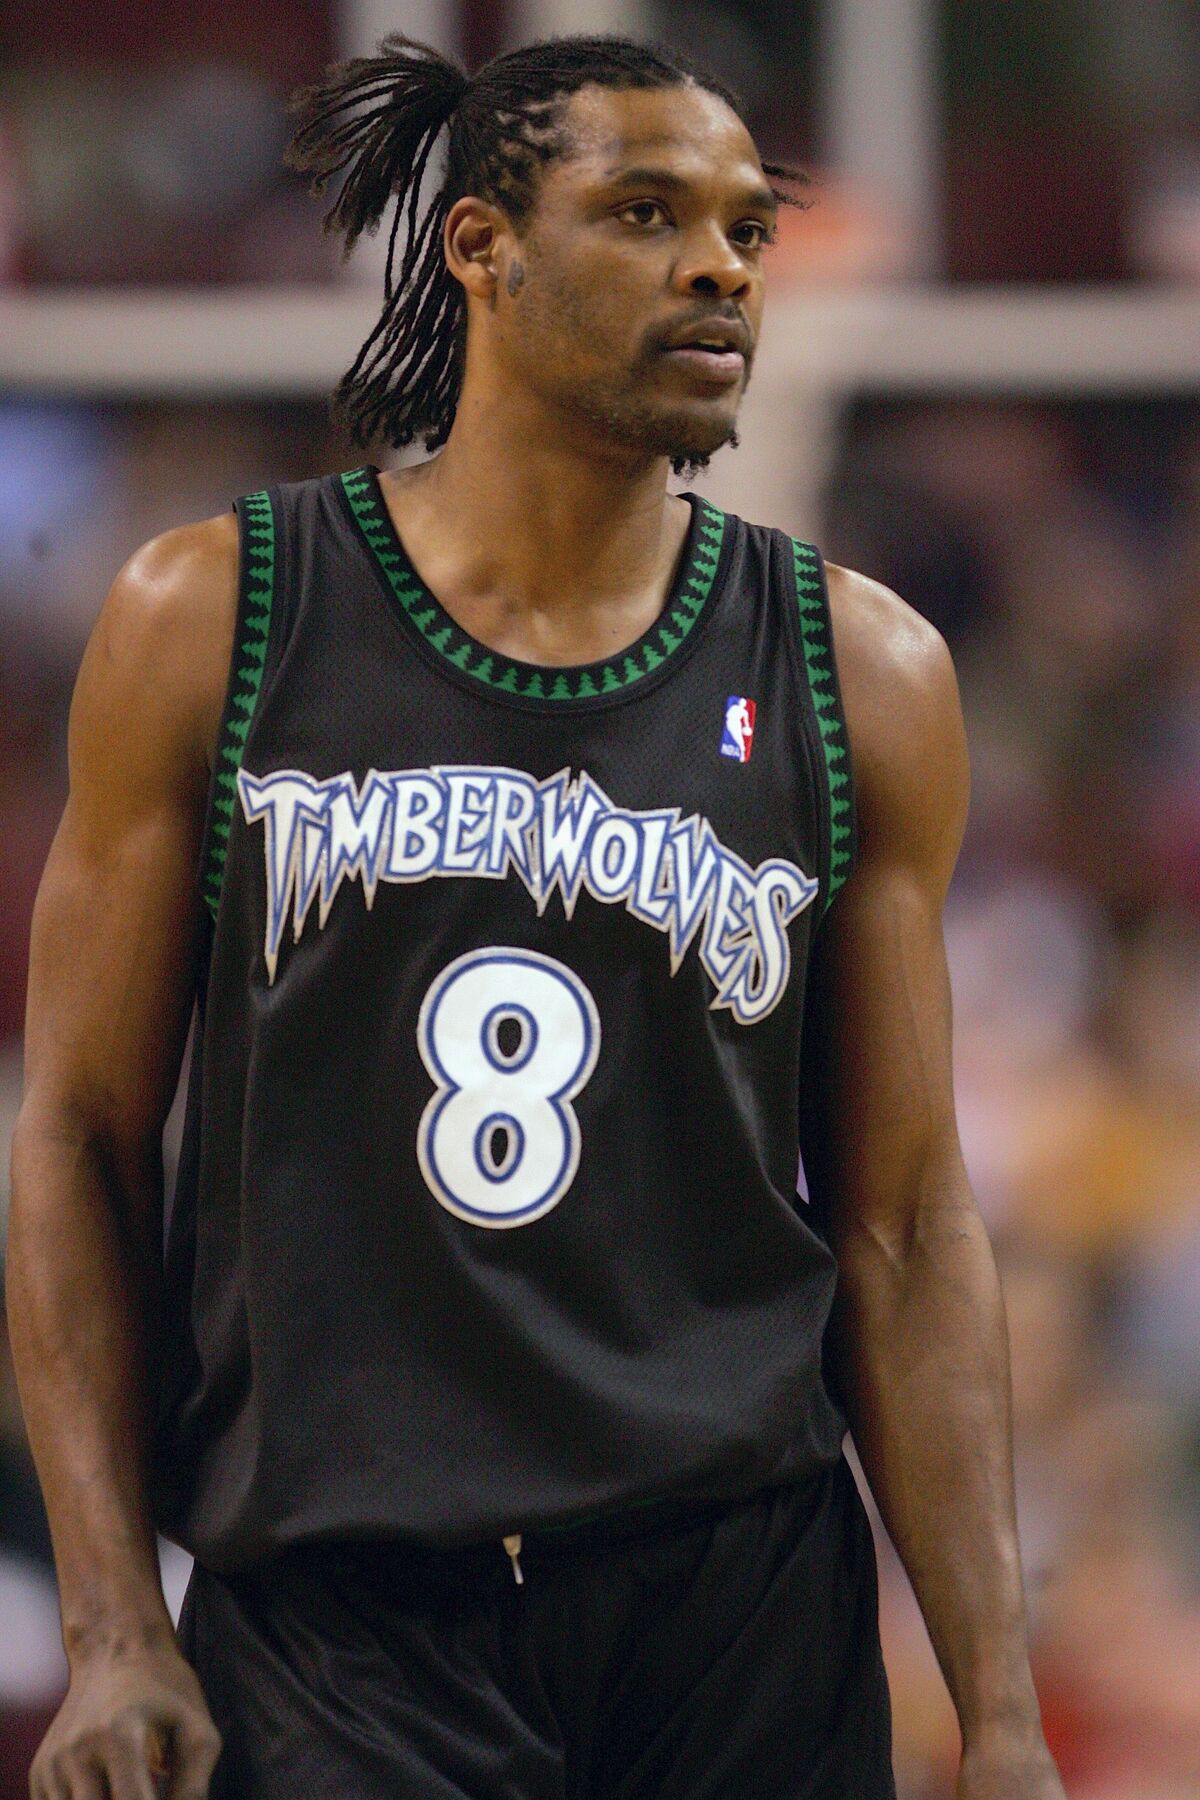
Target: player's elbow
900,1213
65,1142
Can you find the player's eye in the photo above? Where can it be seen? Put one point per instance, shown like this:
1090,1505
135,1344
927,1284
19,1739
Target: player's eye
752,234
644,212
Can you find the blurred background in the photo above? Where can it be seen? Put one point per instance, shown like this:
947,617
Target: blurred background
981,384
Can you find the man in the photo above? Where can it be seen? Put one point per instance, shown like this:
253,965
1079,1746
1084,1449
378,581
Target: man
489,1380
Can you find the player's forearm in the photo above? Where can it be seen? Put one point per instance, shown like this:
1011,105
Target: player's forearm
924,1357
82,1283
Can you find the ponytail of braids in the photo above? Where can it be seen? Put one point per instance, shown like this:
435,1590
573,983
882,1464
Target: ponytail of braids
375,121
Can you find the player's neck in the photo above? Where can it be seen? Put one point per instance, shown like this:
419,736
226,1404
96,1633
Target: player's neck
550,517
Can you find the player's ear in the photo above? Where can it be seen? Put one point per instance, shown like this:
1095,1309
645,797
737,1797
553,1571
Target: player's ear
472,239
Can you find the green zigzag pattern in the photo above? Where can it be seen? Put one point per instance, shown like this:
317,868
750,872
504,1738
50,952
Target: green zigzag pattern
250,657
818,657
497,672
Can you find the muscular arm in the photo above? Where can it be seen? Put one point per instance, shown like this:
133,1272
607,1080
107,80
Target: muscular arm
111,972
919,1338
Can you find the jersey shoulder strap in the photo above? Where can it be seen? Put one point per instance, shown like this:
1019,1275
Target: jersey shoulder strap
839,829
258,560
278,530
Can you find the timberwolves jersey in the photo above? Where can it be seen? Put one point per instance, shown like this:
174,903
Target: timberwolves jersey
487,1216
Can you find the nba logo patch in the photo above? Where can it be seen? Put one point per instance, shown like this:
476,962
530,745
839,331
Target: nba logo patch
737,738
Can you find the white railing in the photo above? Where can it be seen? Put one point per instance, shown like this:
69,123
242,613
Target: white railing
819,346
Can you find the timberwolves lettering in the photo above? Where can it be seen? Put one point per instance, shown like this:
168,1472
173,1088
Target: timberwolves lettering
562,834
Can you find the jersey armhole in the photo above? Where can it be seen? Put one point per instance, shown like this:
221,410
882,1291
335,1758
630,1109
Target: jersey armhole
257,570
837,790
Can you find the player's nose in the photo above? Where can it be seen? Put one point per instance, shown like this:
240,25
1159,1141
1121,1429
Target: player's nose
710,265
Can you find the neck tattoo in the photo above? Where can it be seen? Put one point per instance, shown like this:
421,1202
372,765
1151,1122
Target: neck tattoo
516,276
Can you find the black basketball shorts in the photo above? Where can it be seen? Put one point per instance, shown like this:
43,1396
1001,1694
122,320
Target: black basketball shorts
727,1656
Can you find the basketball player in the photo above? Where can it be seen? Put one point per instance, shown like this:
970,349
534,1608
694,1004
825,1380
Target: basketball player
498,816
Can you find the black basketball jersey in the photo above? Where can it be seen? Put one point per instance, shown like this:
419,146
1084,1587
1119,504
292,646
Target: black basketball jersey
487,1214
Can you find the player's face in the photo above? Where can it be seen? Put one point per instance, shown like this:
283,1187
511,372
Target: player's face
647,237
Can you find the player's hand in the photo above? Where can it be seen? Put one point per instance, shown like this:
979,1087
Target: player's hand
130,1728
1016,1769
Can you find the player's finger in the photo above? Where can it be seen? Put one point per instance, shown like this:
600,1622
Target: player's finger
127,1766
196,1750
87,1783
48,1779
66,1776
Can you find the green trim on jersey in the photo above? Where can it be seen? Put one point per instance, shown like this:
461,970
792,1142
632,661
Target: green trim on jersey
525,680
250,655
818,657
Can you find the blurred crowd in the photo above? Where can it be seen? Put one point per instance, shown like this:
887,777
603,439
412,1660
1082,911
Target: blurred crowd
1058,550
140,142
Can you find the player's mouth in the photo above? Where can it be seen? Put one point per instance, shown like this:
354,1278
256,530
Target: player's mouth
721,366
715,352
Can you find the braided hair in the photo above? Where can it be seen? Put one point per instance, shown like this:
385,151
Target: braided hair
374,121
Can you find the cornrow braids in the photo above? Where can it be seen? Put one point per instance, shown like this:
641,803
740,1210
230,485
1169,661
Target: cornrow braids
374,122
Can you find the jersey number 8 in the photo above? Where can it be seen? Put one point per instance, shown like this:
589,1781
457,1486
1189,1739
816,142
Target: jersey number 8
509,1037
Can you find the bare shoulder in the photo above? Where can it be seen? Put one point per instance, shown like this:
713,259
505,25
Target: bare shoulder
160,651
894,667
903,715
